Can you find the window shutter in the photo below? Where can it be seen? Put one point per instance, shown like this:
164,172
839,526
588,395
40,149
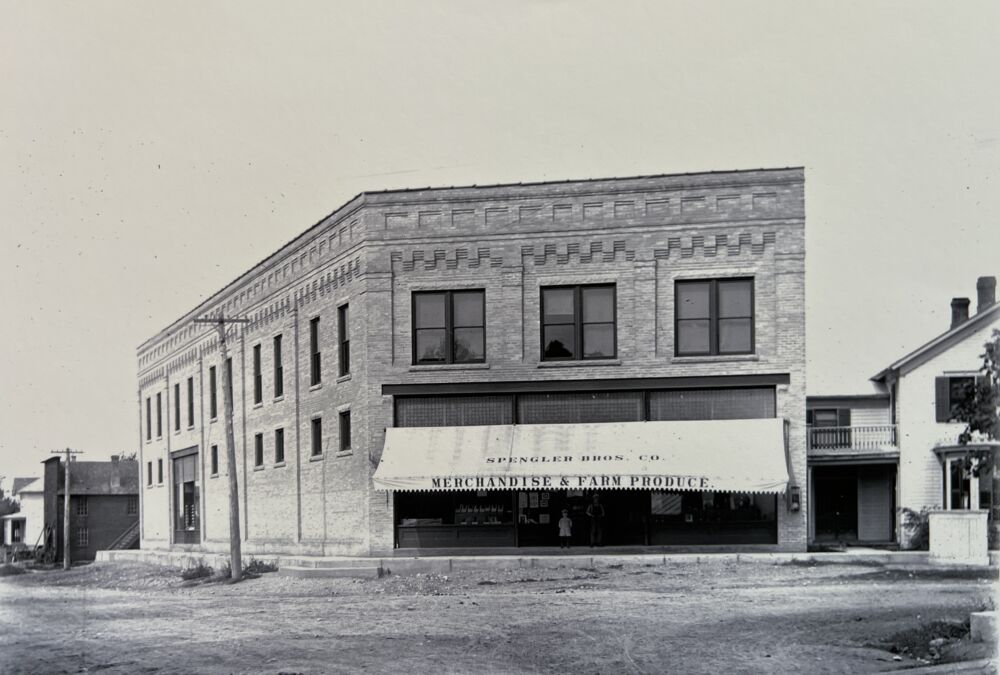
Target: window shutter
844,417
941,399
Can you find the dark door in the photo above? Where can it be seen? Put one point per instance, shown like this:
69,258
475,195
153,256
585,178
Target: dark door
836,503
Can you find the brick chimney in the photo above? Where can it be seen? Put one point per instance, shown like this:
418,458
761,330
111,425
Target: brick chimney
116,474
986,289
959,311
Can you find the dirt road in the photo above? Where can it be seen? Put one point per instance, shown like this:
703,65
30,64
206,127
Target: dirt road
713,618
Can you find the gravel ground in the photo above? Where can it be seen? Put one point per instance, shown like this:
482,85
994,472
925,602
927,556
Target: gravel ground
712,618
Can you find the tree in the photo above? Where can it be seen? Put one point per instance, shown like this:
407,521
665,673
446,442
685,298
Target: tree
8,505
980,411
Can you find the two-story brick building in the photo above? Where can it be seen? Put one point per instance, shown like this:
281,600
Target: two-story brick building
103,506
454,367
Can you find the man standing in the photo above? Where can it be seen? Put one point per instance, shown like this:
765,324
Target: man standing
596,513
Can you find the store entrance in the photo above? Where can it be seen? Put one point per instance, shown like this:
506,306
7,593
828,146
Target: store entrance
624,522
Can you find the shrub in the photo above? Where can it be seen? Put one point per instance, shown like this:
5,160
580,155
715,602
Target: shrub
916,525
199,571
11,570
259,566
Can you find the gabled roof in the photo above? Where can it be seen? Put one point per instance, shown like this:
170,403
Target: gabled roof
24,485
942,342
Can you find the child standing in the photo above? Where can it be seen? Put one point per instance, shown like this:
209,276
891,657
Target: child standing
565,529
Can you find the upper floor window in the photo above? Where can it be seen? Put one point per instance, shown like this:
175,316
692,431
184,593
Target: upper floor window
714,316
159,415
449,327
213,397
343,340
950,393
81,506
190,401
177,406
132,507
159,471
213,463
149,419
279,369
578,322
258,377
314,364
149,473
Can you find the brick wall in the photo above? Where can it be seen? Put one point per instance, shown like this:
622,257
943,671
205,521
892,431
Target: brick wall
641,234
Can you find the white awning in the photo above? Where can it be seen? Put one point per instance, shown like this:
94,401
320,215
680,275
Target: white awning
721,455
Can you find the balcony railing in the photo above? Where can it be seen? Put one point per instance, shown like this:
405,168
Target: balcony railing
858,438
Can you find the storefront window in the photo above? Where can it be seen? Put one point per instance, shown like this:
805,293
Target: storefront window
712,517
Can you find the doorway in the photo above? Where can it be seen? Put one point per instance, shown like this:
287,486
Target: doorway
836,501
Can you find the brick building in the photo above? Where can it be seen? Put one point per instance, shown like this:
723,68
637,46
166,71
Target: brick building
103,506
454,367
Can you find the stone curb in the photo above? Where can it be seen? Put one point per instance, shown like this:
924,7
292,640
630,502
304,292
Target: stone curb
981,666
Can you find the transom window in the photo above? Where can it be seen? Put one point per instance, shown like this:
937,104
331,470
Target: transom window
578,322
714,316
449,327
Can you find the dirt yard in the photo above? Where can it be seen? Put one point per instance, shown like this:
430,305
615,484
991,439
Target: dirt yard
713,618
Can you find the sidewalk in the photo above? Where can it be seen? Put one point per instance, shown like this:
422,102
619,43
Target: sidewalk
424,562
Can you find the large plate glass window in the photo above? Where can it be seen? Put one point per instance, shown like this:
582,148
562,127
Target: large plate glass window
714,316
449,327
578,322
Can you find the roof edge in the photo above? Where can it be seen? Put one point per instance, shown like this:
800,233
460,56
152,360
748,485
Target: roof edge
361,198
965,326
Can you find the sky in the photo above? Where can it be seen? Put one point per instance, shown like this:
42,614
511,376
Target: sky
151,152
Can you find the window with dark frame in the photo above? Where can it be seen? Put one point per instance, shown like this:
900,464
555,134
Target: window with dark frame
279,446
190,401
317,436
81,505
82,537
315,374
449,327
149,472
149,419
579,322
950,393
159,471
279,370
132,507
258,378
345,430
343,340
214,460
258,450
229,380
177,406
159,415
213,398
714,317
829,427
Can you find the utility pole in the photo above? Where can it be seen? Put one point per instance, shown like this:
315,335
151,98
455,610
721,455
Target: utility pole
69,454
235,557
